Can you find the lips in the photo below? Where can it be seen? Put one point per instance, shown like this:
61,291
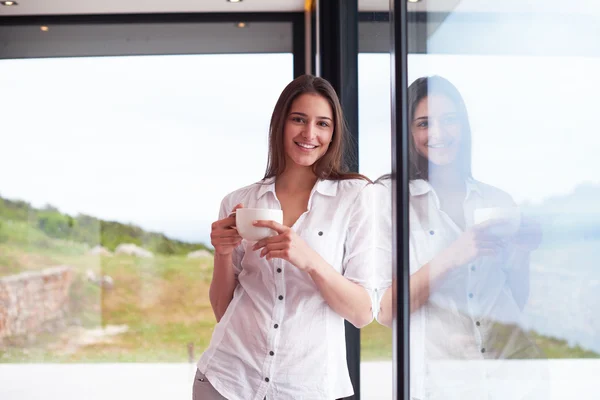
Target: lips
439,145
306,146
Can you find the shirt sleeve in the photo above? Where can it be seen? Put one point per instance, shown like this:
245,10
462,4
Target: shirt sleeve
359,247
238,253
382,268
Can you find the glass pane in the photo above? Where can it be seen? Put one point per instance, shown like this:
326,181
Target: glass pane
113,169
375,162
504,200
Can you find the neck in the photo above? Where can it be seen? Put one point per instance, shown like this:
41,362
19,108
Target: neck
297,179
445,178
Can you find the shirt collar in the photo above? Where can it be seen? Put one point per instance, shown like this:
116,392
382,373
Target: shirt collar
473,187
420,187
327,187
324,187
266,185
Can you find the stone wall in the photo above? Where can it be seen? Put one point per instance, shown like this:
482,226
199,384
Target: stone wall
31,300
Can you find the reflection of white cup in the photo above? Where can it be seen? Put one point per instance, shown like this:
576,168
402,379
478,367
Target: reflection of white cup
245,216
508,219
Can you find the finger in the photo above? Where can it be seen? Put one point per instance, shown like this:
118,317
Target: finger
486,227
227,222
272,247
240,205
490,246
225,233
231,217
228,241
233,212
490,242
228,235
266,241
276,254
276,226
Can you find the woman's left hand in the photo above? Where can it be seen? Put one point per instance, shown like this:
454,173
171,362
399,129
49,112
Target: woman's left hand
287,245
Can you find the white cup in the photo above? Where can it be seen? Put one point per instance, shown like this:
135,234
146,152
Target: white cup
245,216
508,219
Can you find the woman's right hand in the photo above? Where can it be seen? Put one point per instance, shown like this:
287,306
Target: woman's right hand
474,243
224,236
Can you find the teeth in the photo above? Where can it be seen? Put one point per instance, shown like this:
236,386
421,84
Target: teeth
437,145
306,146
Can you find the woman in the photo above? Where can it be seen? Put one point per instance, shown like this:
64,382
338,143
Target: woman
468,282
281,302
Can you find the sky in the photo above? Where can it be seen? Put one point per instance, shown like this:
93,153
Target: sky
158,141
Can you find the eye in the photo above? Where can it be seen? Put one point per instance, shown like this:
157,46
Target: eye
324,124
422,124
297,119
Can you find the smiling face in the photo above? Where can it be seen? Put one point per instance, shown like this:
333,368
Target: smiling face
308,130
436,130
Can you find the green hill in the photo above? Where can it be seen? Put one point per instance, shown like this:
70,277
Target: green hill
36,225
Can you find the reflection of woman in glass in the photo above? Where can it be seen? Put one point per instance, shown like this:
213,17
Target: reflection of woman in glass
281,302
469,254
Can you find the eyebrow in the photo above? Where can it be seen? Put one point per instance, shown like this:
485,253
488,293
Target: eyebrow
304,115
443,115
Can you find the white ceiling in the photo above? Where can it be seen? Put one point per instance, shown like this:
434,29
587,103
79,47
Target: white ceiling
66,7
45,7
58,7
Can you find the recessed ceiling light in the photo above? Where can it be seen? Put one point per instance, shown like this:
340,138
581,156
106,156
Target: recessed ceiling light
44,28
414,1
241,24
9,3
234,1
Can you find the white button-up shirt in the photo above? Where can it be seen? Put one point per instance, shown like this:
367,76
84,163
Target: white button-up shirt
278,337
473,312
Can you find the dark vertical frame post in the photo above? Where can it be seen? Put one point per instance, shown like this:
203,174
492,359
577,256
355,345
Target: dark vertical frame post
298,44
338,59
337,25
401,307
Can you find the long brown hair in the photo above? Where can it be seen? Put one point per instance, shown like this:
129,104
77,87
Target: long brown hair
418,166
331,166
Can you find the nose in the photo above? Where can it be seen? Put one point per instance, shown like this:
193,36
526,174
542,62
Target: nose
309,131
434,130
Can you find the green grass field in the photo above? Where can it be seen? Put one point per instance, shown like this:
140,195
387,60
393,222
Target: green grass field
163,301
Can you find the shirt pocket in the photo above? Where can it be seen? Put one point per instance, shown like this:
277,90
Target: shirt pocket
424,245
324,242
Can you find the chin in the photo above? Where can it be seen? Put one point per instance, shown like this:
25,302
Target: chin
443,159
305,160
441,162
305,163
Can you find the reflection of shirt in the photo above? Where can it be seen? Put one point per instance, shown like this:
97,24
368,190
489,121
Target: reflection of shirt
278,337
472,312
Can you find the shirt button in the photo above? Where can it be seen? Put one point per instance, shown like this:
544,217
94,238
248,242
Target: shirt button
271,353
266,379
280,297
432,232
472,268
320,233
276,326
470,295
478,323
483,350
279,270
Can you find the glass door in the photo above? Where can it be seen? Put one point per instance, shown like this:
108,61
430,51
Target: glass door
498,200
